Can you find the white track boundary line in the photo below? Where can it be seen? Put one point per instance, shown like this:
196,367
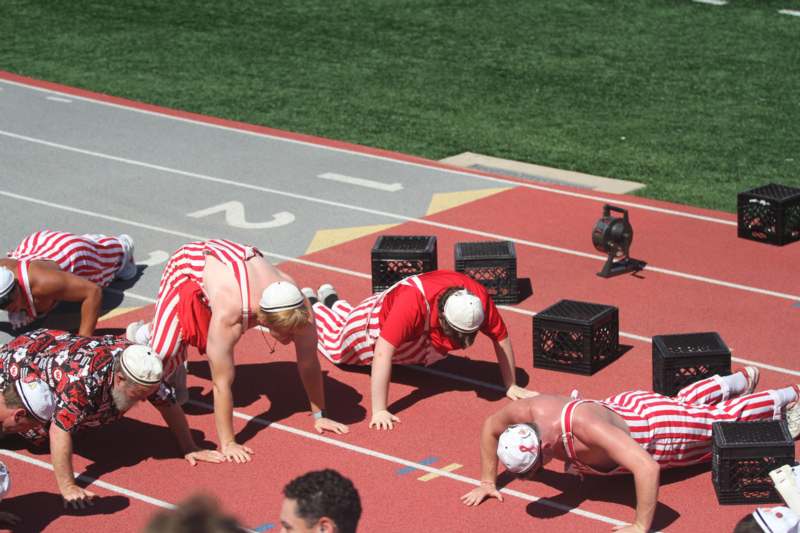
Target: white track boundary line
480,176
422,221
321,266
92,481
103,484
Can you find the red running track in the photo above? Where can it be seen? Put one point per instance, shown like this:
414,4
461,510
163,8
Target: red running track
441,416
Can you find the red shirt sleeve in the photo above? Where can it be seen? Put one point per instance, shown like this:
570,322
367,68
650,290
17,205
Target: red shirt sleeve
405,319
71,403
493,325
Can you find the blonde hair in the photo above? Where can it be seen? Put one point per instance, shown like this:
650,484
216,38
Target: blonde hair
285,322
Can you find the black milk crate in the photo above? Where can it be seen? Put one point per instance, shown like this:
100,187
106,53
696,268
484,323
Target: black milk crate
578,337
743,455
680,360
395,257
493,264
769,214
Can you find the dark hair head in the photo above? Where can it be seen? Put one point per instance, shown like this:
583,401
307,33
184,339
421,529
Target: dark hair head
748,524
199,514
11,397
461,339
326,493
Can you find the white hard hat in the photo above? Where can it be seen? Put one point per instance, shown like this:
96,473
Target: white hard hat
141,365
37,398
518,448
280,296
464,311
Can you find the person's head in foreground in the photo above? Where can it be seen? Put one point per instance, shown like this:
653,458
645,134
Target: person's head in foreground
24,405
772,520
199,514
137,375
520,449
282,309
320,501
461,315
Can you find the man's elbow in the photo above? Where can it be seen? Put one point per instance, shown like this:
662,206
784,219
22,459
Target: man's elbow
651,470
95,293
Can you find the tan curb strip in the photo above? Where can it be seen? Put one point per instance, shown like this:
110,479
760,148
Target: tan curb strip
530,171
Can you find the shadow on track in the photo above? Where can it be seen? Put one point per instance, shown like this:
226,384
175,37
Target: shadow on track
612,489
280,383
38,509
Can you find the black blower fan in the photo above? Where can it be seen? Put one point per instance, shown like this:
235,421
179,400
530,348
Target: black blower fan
614,235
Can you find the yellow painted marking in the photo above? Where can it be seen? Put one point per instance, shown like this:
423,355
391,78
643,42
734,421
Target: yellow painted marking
118,311
326,238
447,200
432,475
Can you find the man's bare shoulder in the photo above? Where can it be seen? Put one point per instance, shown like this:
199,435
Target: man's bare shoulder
536,408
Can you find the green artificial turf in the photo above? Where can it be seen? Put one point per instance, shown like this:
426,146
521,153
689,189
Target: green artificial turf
698,102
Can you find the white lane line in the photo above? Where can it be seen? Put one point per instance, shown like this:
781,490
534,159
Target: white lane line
489,235
313,264
430,167
419,466
59,99
156,257
103,484
92,481
790,12
362,182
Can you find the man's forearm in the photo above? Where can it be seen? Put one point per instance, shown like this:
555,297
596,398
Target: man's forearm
311,376
379,383
173,415
223,413
505,360
646,479
61,455
90,310
488,454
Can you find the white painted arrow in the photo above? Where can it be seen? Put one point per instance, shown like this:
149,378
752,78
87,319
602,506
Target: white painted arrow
234,216
361,182
156,257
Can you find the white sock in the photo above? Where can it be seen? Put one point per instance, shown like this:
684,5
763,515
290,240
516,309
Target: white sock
786,395
142,334
736,383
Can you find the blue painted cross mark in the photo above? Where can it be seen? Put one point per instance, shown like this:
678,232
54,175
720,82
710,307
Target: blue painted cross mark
427,461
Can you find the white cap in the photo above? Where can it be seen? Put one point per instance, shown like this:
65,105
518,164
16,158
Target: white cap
280,296
5,481
141,365
7,282
518,448
777,519
464,311
37,398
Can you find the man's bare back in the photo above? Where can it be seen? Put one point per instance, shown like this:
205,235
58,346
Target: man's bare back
545,412
223,291
40,277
